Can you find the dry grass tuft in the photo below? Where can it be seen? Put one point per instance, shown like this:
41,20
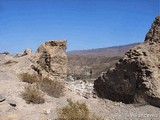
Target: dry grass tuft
76,111
10,62
53,88
29,78
32,94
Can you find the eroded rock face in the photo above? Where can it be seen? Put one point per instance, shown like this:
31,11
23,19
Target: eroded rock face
51,60
136,77
27,51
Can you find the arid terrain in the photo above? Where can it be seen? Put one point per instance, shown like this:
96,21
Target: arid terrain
36,86
11,87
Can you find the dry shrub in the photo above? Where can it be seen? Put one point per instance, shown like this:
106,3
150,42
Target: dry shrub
53,88
33,94
29,78
10,62
76,111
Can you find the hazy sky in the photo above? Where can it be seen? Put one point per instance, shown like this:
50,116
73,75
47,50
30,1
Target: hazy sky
85,24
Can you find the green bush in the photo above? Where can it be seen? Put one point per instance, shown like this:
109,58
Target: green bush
76,111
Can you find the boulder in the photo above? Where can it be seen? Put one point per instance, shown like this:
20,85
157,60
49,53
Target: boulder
136,77
51,60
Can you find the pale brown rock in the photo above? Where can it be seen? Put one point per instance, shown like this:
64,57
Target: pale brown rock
51,60
136,77
27,51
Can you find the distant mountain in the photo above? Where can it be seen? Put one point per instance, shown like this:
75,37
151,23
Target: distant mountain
108,51
97,60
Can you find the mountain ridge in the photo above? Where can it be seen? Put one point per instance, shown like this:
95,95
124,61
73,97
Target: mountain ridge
106,51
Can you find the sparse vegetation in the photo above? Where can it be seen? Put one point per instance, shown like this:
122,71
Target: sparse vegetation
29,78
76,111
10,62
53,88
32,94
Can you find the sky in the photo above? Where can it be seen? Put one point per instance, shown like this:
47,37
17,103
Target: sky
85,24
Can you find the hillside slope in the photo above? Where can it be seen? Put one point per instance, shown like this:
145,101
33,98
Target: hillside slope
81,62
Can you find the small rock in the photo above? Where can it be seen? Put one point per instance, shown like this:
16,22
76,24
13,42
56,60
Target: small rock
2,98
12,103
70,78
48,111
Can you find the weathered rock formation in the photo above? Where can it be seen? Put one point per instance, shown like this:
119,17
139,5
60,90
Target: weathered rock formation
136,77
51,60
27,51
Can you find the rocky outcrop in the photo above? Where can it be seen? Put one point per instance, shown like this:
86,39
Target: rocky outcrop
51,60
136,77
27,51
